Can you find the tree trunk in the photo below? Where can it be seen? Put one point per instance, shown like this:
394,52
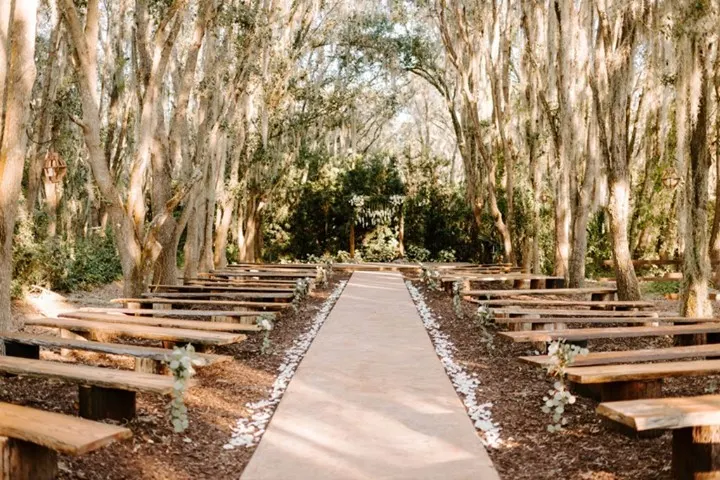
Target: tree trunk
19,20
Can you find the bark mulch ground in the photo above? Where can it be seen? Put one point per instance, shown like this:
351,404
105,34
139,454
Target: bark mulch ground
215,404
587,448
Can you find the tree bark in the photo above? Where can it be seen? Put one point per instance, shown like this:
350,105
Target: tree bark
18,77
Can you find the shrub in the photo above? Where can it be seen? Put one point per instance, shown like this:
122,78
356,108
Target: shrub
380,245
416,253
447,255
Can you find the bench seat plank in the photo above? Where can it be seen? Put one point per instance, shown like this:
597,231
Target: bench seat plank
580,320
632,356
201,288
574,313
562,303
181,335
664,413
228,295
611,332
88,375
226,303
135,351
539,291
163,322
176,313
643,371
62,433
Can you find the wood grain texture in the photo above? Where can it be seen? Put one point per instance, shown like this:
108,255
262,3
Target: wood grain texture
135,351
180,335
87,375
539,291
62,433
643,371
226,303
633,356
610,332
228,295
574,313
176,313
218,288
664,413
162,322
562,303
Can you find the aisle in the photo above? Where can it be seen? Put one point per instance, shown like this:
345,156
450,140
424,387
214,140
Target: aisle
371,400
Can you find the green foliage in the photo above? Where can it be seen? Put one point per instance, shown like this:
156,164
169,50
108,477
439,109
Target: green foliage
63,265
661,288
266,322
446,255
180,363
380,245
562,355
417,254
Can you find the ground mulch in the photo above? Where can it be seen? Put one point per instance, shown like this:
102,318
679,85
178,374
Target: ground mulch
215,404
587,448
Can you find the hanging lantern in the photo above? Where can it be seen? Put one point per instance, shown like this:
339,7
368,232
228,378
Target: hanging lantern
55,168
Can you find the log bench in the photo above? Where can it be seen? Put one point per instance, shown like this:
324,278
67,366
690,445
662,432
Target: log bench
633,356
25,345
695,425
574,313
172,335
611,332
541,302
178,313
247,274
30,440
162,322
518,279
276,296
219,288
104,392
597,293
217,303
633,381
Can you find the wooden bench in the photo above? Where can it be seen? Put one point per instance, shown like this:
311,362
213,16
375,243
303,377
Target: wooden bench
285,275
104,392
575,320
518,279
25,345
562,303
599,293
229,295
178,313
573,313
30,440
633,356
633,381
163,322
202,288
695,424
580,334
174,335
217,303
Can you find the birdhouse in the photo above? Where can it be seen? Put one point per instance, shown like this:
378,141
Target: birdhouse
55,168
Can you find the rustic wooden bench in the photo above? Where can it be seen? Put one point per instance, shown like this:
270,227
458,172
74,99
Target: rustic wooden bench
178,313
695,424
285,275
104,392
276,296
580,334
573,313
202,288
633,356
25,345
174,335
518,279
217,303
633,381
599,293
30,440
541,302
162,322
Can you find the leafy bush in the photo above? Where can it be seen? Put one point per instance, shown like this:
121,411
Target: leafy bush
661,288
63,265
417,253
446,255
380,245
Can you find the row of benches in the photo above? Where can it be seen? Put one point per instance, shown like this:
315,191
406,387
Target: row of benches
628,383
30,439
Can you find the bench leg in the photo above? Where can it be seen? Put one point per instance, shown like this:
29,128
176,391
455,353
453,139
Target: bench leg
555,283
537,283
21,460
97,403
696,453
14,349
602,297
634,390
149,365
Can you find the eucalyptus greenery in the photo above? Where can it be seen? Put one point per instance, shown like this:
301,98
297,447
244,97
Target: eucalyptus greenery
562,355
430,277
457,289
266,321
302,289
180,363
484,320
